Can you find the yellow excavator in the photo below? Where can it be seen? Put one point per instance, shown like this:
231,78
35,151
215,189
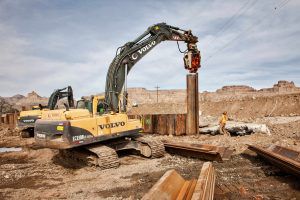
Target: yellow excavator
27,118
95,137
26,121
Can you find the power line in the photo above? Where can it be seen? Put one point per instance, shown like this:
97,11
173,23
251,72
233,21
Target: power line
244,8
281,5
233,17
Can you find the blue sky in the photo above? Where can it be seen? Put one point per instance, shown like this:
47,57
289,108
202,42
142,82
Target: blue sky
46,45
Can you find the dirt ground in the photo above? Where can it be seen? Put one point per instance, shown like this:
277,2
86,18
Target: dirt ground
35,173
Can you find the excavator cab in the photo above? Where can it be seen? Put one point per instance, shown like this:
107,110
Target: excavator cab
35,108
95,104
84,104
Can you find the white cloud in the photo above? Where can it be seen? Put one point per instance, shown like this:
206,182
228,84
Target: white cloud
46,45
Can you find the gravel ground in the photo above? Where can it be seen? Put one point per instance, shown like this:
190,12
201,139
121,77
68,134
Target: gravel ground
38,173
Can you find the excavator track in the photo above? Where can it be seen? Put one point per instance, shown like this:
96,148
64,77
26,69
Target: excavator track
104,157
100,156
156,146
74,155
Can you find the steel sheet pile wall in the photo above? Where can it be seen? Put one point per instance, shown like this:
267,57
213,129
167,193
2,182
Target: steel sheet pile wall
170,124
172,186
10,119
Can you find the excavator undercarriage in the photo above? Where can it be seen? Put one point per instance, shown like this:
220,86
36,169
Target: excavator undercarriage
105,155
98,144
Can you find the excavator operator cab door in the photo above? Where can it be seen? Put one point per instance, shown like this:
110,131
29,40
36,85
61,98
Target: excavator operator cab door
84,104
100,108
87,104
80,104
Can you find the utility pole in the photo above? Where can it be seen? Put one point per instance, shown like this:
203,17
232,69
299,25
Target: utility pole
157,93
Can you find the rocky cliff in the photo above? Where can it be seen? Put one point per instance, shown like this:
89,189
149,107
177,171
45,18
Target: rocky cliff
235,92
26,102
241,102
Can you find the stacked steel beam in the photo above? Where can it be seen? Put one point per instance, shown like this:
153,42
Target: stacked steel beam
201,151
286,159
171,186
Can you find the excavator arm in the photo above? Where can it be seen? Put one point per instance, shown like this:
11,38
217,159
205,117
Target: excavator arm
59,94
129,54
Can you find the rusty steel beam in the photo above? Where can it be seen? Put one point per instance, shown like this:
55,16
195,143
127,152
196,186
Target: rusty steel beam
171,186
147,123
161,123
180,124
170,124
206,183
12,119
201,151
192,121
286,159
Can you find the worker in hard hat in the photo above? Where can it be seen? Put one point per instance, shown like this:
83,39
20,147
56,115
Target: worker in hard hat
222,124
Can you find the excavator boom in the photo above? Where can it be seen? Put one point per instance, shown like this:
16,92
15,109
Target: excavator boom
59,94
130,53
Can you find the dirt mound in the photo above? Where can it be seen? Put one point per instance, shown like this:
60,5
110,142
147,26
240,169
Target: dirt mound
251,108
287,130
6,131
11,138
158,108
246,109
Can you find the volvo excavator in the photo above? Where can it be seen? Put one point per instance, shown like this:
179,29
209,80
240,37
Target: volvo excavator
27,118
95,137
